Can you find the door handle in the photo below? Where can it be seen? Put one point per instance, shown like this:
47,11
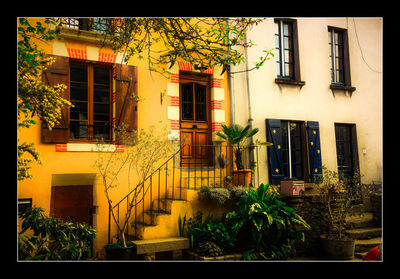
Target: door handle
194,126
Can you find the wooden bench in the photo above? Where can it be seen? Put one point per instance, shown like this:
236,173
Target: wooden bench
149,247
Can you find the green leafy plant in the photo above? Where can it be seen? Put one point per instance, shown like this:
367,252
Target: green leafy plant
52,239
265,224
236,136
210,230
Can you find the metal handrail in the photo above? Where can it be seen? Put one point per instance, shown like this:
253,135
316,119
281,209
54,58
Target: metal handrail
141,191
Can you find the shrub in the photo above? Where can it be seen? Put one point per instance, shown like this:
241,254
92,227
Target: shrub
211,230
263,223
53,239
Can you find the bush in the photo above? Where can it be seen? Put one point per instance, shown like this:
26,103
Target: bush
53,239
221,195
264,224
211,230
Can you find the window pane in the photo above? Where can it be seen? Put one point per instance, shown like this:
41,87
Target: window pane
101,75
101,94
288,56
101,112
79,111
78,130
287,42
286,29
278,69
78,73
187,101
78,92
101,130
277,42
277,31
200,101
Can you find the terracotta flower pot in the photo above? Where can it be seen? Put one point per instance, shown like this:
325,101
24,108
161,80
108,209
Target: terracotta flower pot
338,249
241,177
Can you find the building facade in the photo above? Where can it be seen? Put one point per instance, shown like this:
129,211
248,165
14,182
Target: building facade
318,99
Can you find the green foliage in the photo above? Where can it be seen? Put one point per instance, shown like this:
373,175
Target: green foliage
265,224
236,136
204,42
34,97
210,230
53,239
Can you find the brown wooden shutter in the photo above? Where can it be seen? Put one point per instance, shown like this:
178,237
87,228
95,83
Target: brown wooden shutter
126,90
57,73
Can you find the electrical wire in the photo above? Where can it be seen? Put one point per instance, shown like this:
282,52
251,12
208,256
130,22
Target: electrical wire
362,55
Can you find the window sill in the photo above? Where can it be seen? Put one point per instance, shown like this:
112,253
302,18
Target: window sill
89,147
342,87
290,82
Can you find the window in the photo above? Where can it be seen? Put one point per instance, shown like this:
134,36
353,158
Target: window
292,149
194,105
89,24
346,149
287,52
296,150
339,57
90,91
284,49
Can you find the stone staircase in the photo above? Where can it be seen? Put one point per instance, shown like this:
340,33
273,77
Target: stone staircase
162,220
367,233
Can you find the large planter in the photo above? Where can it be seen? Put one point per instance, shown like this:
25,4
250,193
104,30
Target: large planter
241,177
338,249
115,253
292,187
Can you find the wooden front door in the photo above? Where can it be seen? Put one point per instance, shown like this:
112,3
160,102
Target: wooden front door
195,119
72,203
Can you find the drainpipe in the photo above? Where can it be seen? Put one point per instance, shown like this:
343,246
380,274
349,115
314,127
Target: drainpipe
250,121
230,84
253,163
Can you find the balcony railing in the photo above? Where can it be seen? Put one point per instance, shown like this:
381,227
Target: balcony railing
99,25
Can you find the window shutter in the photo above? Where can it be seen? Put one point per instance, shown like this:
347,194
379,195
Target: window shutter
314,149
274,135
57,73
126,91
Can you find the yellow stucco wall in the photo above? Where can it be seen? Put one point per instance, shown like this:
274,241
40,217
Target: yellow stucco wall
315,100
150,112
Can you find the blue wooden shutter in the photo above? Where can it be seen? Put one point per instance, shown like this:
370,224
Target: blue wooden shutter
314,149
274,135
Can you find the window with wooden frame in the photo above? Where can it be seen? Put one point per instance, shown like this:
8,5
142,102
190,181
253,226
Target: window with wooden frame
296,150
89,89
287,52
339,57
90,93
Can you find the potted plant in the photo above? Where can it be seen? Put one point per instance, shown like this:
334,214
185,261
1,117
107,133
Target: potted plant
236,136
337,194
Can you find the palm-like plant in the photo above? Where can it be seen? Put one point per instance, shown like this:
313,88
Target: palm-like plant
236,135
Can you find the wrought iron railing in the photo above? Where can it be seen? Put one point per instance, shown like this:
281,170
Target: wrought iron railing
95,24
191,167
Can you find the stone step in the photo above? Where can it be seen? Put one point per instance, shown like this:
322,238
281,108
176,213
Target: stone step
364,245
364,233
363,220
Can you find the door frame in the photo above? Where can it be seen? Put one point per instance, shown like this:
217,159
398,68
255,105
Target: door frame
204,79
